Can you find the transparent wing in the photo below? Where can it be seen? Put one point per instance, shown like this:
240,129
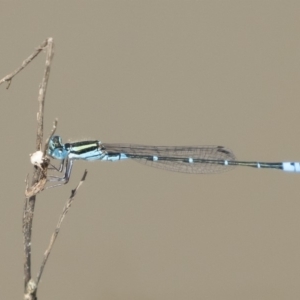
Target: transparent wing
187,159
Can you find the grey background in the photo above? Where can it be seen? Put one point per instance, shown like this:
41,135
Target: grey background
160,73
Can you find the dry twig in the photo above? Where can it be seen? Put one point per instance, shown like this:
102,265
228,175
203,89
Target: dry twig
8,78
40,174
56,231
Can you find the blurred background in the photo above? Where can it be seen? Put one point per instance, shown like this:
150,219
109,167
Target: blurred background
158,73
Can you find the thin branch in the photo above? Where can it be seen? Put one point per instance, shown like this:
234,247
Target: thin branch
27,225
8,78
57,229
42,93
39,174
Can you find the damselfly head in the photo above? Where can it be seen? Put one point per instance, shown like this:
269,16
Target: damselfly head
56,148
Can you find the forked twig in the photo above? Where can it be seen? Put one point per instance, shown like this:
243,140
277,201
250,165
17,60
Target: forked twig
40,174
8,78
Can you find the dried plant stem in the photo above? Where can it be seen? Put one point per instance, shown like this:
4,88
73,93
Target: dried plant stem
56,231
39,175
8,78
30,202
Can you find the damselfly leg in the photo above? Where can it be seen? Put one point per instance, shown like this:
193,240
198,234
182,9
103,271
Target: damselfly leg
66,168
